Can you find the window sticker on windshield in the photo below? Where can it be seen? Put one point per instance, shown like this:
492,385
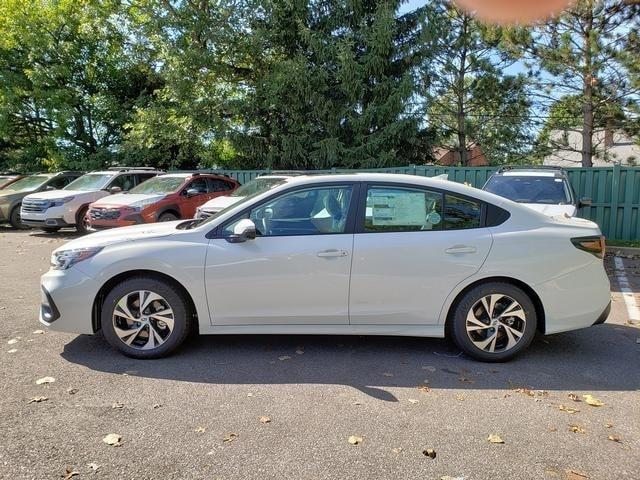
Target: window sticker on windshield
433,218
401,208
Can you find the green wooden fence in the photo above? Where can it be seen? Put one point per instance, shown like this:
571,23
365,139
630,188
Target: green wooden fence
615,190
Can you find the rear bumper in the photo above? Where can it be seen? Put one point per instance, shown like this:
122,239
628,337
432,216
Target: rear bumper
576,300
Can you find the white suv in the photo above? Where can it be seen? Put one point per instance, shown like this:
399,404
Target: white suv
55,209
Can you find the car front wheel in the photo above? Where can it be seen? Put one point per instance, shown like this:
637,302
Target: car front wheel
493,322
146,317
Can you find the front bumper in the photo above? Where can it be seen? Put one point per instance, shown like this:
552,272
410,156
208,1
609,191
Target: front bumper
51,217
49,222
71,293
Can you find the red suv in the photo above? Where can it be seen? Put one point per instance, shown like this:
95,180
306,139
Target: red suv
161,199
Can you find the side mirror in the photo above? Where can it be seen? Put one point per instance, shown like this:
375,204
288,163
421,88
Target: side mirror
115,190
584,202
244,230
192,192
49,188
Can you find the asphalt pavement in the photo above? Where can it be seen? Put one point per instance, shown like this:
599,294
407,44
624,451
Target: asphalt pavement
285,407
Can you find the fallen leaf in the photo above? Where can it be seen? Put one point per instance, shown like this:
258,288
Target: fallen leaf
265,419
614,438
284,357
429,368
38,399
460,397
38,332
249,394
117,405
70,473
574,397
45,380
593,401
552,429
300,352
354,440
230,438
464,379
156,405
424,389
387,374
13,350
577,429
608,425
413,400
13,341
567,409
494,438
396,450
429,452
93,466
574,475
201,429
113,439
72,391
493,370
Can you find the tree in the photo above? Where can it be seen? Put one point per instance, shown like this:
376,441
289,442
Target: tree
469,95
332,85
68,82
587,55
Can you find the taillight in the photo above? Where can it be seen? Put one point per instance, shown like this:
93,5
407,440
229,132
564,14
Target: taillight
594,245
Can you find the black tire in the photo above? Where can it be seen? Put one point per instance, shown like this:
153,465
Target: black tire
14,219
167,217
82,226
176,300
473,299
50,229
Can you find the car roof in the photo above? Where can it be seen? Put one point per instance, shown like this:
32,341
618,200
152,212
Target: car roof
542,171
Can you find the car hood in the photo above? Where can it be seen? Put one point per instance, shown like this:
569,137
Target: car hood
57,194
122,235
11,195
219,203
123,199
552,210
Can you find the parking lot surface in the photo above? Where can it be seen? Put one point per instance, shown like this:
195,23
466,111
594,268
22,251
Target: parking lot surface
260,407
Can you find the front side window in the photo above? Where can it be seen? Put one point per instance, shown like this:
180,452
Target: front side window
199,184
391,209
59,182
125,182
313,211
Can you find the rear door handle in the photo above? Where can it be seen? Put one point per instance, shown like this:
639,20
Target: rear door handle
460,249
333,253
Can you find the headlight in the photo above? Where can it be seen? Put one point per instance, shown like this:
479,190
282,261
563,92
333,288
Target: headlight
142,204
61,201
66,258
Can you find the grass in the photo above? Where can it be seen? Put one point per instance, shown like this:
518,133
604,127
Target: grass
623,243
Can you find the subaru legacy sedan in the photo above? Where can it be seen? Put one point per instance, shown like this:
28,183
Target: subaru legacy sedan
357,254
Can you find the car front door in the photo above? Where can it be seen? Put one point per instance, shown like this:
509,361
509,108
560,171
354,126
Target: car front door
411,248
200,189
296,270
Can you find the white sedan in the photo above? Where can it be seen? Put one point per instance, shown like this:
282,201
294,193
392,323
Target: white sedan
361,254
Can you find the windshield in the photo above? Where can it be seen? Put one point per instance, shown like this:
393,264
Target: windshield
528,189
257,185
90,181
28,183
159,185
273,182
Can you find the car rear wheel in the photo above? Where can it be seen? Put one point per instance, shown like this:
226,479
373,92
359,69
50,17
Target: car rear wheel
167,217
15,220
493,322
145,317
82,222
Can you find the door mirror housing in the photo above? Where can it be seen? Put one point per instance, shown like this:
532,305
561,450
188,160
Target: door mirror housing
48,188
115,190
584,202
244,230
192,192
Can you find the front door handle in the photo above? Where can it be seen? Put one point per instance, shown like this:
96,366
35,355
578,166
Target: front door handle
333,253
460,249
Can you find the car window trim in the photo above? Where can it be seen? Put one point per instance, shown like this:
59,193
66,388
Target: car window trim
362,205
216,233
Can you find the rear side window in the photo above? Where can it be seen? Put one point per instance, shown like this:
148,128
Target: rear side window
217,185
199,184
144,176
460,213
402,210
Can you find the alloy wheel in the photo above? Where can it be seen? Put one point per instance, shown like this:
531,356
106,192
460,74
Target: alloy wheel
496,323
143,320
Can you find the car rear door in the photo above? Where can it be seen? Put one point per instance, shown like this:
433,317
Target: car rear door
412,246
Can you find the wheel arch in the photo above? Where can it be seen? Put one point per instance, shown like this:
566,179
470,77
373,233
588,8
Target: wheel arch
535,298
98,301
173,208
